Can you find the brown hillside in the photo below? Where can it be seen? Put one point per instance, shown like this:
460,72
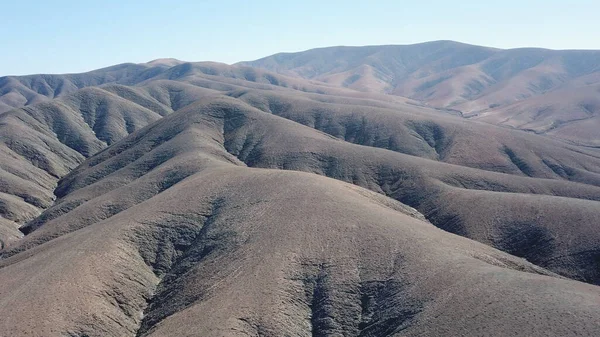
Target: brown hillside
206,246
549,87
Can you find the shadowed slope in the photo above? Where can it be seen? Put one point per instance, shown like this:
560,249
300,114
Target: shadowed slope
462,200
31,161
41,143
425,133
465,201
230,250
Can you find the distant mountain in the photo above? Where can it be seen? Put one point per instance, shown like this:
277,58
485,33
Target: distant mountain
19,91
571,113
168,62
466,79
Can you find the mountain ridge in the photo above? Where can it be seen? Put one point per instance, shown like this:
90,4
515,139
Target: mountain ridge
470,79
284,242
203,199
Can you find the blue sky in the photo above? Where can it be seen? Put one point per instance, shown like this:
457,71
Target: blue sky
73,36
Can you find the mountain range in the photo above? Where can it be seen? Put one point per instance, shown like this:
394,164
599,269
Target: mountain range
539,90
430,189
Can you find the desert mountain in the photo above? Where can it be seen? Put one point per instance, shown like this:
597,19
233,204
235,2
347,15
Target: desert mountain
570,113
19,91
41,143
513,86
175,234
53,132
201,199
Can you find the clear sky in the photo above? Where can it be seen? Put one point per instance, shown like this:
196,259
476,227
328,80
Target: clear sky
58,36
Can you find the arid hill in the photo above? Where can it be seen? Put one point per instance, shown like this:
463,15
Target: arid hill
19,91
571,113
176,235
41,142
547,91
201,199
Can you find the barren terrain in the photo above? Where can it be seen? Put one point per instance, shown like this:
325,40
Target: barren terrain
202,199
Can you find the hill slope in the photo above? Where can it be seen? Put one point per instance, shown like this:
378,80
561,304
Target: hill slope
19,91
177,236
46,138
399,127
572,113
41,143
198,200
462,78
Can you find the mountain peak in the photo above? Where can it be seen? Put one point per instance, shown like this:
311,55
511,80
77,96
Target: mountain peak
165,62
